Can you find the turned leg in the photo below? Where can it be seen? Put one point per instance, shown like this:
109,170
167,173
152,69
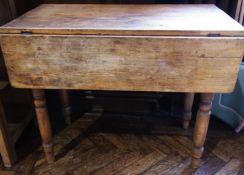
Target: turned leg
188,102
65,106
201,127
43,123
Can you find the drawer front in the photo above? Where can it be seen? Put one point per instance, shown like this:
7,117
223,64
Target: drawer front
169,64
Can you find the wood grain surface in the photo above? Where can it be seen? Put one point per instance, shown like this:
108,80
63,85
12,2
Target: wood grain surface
175,64
108,144
126,20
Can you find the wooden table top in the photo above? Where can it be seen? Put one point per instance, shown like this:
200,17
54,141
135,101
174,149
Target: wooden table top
126,20
92,47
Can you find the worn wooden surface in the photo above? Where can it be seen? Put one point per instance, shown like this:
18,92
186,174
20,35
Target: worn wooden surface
201,127
64,99
126,63
187,113
7,149
119,144
126,20
206,61
43,123
11,126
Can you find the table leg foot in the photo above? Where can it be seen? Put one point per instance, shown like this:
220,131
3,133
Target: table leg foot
65,106
196,158
201,128
48,149
43,123
188,102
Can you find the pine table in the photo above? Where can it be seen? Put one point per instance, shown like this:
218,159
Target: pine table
164,48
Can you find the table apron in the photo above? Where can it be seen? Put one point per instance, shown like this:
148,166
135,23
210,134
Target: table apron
167,64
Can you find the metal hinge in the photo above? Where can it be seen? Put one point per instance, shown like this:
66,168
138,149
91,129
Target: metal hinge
26,32
214,35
